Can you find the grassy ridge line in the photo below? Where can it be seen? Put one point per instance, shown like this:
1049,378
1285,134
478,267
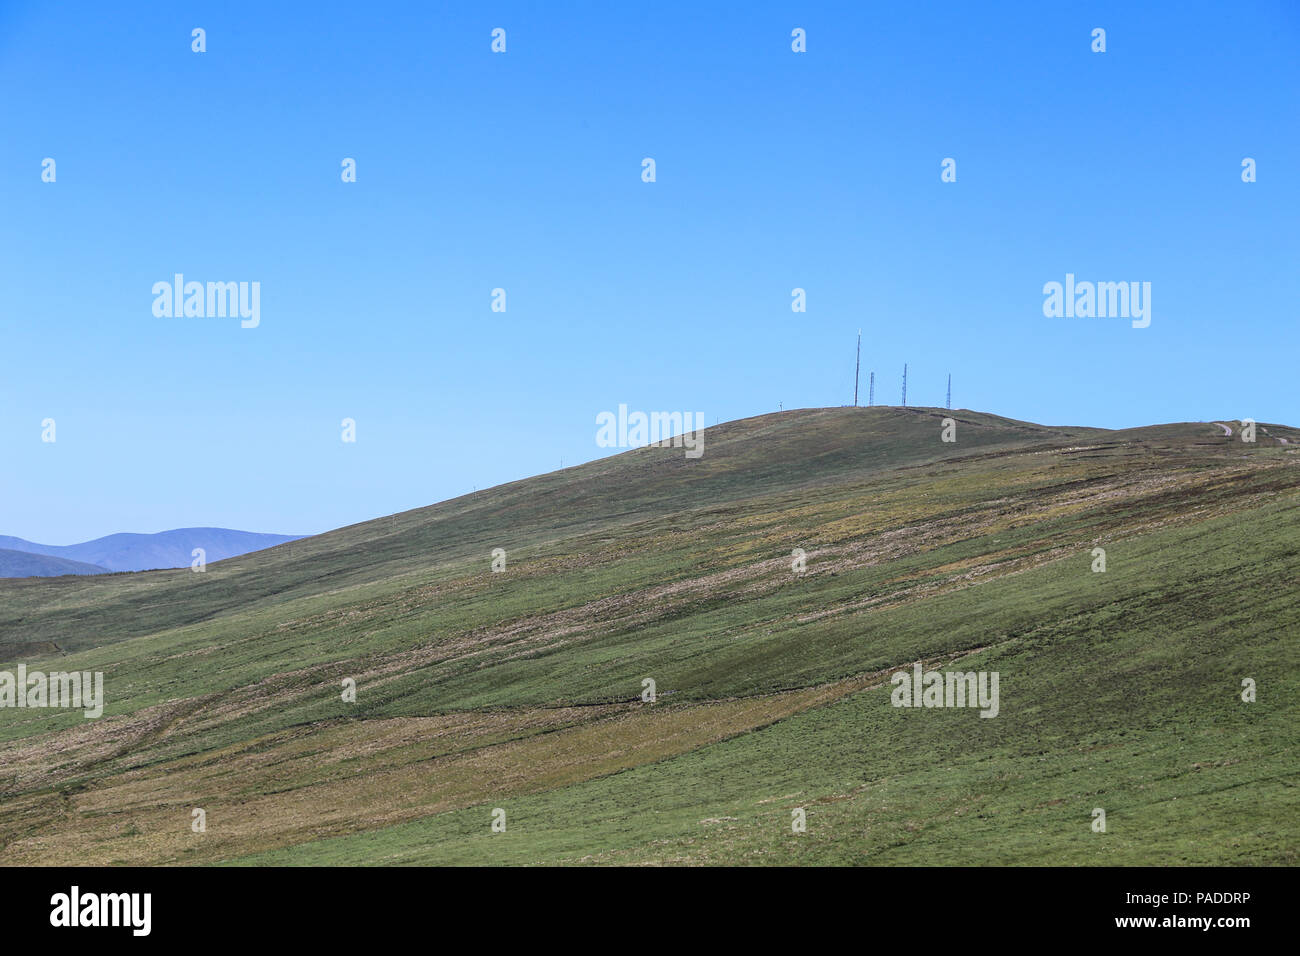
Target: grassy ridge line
743,459
252,655
701,597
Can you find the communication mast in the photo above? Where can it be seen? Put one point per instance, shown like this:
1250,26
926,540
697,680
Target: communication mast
904,384
871,390
950,391
857,365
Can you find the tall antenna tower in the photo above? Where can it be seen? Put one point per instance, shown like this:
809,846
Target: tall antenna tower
904,384
871,390
856,366
950,391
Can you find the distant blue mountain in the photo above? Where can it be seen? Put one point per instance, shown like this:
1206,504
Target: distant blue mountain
24,564
142,552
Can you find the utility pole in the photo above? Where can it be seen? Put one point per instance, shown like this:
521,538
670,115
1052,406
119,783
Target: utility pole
904,384
950,391
857,365
871,390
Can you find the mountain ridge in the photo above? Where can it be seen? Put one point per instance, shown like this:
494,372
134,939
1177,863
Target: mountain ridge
128,551
28,564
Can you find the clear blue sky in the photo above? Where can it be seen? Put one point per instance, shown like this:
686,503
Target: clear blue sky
477,170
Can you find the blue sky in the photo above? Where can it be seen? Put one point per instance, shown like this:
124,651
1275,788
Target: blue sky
522,171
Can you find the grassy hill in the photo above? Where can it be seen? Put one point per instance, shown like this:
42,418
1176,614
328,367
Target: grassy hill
521,689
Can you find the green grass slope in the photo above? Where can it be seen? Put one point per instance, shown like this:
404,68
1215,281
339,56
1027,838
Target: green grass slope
521,690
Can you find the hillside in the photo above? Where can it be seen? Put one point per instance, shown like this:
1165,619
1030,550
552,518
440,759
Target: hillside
521,689
144,552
